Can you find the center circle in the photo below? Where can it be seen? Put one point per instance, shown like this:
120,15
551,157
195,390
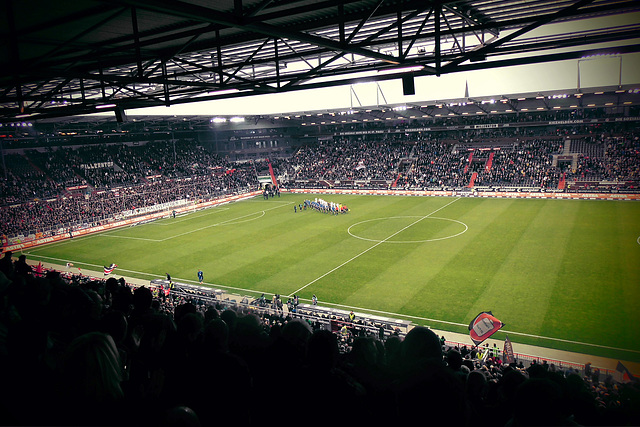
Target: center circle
402,223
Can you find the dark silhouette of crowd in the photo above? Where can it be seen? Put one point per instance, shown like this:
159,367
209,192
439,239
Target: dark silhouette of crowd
84,351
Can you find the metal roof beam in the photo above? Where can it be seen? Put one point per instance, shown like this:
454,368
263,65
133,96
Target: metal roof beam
492,46
67,19
204,14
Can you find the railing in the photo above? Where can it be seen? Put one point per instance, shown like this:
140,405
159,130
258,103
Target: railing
333,319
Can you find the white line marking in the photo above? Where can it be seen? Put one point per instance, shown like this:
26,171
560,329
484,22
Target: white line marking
226,222
165,222
374,246
425,319
116,236
386,313
408,241
223,222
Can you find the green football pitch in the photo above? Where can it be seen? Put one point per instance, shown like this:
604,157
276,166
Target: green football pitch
562,274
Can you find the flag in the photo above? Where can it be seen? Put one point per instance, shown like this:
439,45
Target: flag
39,269
108,270
507,353
483,353
626,375
483,326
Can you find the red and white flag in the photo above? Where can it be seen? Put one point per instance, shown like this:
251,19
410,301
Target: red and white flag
483,326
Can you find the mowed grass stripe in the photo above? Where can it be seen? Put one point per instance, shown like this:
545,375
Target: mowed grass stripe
300,247
591,304
522,286
457,270
231,250
320,257
197,244
401,281
289,257
628,228
451,280
180,256
353,277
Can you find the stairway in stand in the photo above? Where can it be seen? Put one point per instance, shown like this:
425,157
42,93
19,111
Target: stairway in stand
466,168
473,179
395,183
563,182
490,161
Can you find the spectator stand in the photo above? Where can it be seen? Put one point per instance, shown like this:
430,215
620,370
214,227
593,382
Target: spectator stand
495,358
201,294
329,318
364,324
363,321
333,319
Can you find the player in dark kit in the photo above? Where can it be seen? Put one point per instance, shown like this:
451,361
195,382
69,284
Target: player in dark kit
200,276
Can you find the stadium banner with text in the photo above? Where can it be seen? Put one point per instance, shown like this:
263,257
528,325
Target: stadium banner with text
90,230
497,194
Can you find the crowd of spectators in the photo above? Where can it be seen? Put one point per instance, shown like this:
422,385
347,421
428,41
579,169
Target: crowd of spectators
68,187
114,179
343,159
440,118
103,166
619,161
81,351
430,163
528,165
436,165
23,182
101,207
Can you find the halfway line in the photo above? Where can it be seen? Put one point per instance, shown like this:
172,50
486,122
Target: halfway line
374,246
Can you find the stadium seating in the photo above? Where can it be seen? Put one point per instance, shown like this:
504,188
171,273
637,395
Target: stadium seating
48,191
91,351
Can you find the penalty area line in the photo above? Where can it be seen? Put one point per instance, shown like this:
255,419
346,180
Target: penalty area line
263,212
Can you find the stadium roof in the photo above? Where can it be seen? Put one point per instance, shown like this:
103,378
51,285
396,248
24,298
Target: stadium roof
86,56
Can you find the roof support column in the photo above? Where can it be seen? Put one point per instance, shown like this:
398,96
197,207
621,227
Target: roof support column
437,12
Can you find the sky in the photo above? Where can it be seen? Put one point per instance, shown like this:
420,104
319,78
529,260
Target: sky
556,76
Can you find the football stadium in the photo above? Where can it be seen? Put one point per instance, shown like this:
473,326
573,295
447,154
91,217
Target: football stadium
362,211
